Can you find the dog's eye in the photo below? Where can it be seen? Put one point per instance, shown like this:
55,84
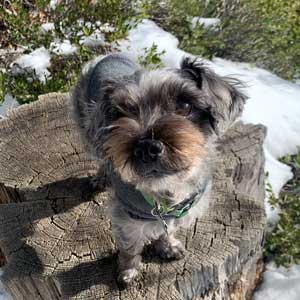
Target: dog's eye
116,114
121,110
184,109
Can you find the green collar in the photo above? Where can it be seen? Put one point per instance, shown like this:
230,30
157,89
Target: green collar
179,210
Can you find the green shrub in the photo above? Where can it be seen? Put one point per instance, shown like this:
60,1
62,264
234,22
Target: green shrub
26,87
175,17
21,22
151,58
265,32
283,244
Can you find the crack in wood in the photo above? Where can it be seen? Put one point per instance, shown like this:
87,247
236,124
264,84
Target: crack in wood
61,235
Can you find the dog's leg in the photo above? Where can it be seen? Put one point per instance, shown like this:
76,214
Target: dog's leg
100,181
130,247
168,247
128,266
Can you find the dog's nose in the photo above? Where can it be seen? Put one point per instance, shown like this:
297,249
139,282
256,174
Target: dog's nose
148,150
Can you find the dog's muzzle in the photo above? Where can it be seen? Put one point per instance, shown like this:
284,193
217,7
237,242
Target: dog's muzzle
148,150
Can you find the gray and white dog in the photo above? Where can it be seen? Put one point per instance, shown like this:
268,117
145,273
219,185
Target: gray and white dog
154,132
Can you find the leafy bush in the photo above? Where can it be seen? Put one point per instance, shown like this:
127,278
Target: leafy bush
283,244
151,58
264,32
175,16
21,22
26,87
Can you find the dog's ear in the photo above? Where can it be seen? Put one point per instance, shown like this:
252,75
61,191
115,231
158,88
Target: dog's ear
92,95
225,102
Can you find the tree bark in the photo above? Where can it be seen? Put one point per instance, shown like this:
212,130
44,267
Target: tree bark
55,232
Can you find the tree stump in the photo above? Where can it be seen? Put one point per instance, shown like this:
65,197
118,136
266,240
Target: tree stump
56,236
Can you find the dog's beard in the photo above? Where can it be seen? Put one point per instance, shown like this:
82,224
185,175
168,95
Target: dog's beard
183,142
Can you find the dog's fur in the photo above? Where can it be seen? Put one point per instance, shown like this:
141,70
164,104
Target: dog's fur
118,104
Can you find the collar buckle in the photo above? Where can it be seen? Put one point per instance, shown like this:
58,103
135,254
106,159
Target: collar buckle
158,212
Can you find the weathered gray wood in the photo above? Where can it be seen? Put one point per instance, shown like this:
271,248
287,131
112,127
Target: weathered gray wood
55,233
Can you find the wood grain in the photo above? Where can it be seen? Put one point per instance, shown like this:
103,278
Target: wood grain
55,232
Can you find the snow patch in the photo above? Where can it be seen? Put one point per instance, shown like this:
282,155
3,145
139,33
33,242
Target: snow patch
279,284
53,4
209,23
278,175
144,36
106,27
47,27
273,102
38,60
97,38
62,47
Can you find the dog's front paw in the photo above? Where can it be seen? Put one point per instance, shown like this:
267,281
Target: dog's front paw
127,276
99,182
171,251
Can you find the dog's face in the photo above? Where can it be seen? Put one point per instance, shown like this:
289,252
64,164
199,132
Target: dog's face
159,123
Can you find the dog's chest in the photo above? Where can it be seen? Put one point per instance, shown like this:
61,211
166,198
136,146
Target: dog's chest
144,206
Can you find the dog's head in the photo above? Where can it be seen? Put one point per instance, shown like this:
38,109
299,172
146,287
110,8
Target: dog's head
158,123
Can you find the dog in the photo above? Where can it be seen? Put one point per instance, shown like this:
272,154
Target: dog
154,133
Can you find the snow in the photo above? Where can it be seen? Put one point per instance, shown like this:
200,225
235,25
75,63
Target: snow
280,284
279,174
144,35
47,27
273,102
63,48
209,23
95,39
38,60
107,28
53,3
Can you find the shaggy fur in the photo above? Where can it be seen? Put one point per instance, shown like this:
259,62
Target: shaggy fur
154,130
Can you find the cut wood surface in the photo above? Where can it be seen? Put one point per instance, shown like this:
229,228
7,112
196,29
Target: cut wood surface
55,232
